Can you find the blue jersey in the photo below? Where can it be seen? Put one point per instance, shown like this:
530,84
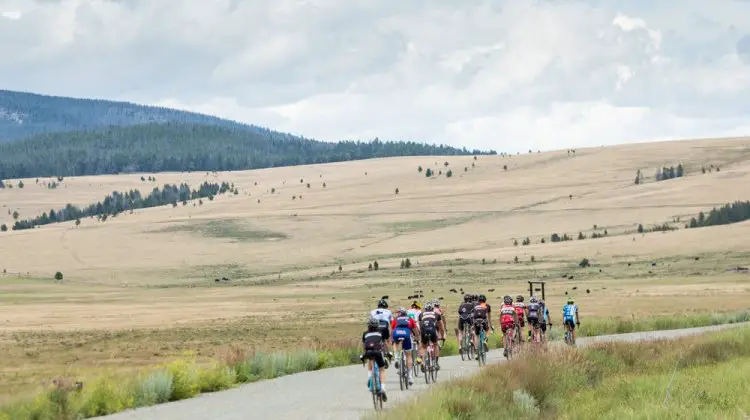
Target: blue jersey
569,312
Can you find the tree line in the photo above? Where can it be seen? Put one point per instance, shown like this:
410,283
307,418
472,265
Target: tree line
187,147
118,202
738,211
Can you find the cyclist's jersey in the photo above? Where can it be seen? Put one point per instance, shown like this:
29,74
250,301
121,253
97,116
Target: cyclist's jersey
413,313
520,307
372,341
429,320
569,312
480,311
465,310
534,309
384,316
506,313
545,313
403,322
438,311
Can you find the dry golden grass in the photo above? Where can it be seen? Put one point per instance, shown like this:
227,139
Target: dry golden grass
140,288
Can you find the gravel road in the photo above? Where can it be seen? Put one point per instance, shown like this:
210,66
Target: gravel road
338,393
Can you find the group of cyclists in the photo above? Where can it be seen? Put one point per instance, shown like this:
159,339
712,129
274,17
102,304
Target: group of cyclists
418,327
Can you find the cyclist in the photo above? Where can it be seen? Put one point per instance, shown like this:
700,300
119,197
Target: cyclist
482,320
384,317
430,325
570,317
464,317
374,346
413,313
403,328
532,313
439,311
508,318
520,311
545,318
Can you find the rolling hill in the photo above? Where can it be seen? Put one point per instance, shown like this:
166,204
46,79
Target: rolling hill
24,114
56,136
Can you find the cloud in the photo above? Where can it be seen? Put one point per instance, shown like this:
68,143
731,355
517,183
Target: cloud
509,75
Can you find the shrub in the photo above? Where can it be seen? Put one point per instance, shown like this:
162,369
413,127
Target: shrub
340,268
555,238
3,228
143,179
526,241
15,215
407,263
505,167
428,173
542,241
20,184
369,267
375,266
324,185
156,388
515,259
584,263
396,190
449,173
216,378
58,276
515,242
308,185
104,397
403,264
640,228
419,169
185,382
581,236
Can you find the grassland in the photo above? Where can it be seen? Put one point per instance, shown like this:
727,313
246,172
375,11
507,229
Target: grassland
141,289
700,377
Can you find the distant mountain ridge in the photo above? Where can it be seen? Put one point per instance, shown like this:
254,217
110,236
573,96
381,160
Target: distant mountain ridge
24,114
57,136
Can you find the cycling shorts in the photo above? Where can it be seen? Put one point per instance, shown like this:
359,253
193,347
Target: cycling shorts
375,355
533,321
505,326
481,324
385,332
462,322
571,323
404,334
429,335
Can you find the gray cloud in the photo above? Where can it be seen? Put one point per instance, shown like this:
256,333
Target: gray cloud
507,75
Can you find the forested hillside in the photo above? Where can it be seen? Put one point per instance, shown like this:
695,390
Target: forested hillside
185,147
25,114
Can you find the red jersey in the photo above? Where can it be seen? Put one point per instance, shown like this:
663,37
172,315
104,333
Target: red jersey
403,322
506,314
520,309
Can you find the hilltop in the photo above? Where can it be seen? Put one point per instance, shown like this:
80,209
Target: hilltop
24,114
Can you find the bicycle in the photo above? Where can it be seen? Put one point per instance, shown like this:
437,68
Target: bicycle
482,359
569,339
467,348
536,334
414,355
375,386
508,343
430,370
517,334
403,370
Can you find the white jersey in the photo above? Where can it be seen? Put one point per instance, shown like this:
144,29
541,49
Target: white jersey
413,313
384,316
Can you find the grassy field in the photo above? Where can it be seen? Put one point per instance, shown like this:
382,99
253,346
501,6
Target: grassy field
141,289
703,377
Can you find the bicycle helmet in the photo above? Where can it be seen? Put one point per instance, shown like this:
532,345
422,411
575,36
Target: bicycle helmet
507,300
402,311
382,303
467,298
482,298
570,300
519,298
416,305
533,300
372,323
436,303
428,307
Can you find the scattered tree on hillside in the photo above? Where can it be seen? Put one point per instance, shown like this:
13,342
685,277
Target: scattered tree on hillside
449,173
3,228
78,222
640,228
515,259
419,169
505,167
738,211
526,241
20,184
638,177
533,259
15,215
58,276
581,236
396,191
515,242
375,266
428,173
117,202
584,263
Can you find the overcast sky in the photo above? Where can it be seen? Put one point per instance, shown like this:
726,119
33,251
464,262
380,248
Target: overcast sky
508,75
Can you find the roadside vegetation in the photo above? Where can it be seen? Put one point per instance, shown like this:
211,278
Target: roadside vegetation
695,377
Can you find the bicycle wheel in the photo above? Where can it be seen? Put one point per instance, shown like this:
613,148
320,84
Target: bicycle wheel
508,346
463,350
377,400
434,370
402,370
482,353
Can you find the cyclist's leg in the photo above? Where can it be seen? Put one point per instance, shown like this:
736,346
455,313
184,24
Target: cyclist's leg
436,336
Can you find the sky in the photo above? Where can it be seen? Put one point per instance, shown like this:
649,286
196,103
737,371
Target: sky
507,75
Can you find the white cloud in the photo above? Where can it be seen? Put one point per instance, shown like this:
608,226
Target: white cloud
11,14
509,75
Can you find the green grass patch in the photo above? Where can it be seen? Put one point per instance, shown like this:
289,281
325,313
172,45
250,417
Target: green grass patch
232,229
614,380
604,326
